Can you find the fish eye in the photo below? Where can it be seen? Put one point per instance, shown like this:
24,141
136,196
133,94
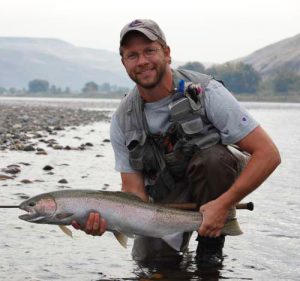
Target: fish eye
31,204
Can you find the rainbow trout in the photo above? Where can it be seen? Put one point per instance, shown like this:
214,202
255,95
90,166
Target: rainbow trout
125,213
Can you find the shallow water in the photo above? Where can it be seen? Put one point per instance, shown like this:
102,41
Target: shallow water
268,250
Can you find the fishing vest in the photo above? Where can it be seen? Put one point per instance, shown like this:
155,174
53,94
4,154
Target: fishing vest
163,158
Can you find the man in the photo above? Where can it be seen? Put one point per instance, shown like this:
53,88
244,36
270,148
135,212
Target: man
170,136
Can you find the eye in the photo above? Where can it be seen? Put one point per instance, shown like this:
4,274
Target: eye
31,204
150,52
132,57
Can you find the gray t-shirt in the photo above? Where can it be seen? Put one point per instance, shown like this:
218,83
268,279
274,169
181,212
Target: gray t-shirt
222,109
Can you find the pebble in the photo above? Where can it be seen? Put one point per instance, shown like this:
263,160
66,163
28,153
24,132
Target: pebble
63,181
48,168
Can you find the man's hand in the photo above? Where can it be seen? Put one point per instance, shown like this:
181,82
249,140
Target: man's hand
214,218
95,225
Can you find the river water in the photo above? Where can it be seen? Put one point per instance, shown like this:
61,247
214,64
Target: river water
269,249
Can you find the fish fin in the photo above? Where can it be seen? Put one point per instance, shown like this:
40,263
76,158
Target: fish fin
62,216
122,238
232,228
174,240
66,230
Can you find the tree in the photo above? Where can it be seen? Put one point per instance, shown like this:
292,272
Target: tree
238,77
90,87
105,87
38,86
194,65
286,81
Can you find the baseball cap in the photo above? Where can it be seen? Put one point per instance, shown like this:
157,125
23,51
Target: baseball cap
146,26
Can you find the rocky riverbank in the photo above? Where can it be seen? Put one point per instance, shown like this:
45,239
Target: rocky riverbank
22,127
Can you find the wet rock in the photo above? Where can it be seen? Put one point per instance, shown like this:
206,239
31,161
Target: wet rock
57,147
22,195
4,177
28,148
48,168
58,128
26,181
89,144
12,169
50,173
24,163
106,140
99,155
63,181
42,152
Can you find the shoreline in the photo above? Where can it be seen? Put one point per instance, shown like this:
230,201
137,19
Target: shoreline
22,126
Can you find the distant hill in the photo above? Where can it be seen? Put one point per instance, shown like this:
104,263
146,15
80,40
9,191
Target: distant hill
65,65
62,64
283,55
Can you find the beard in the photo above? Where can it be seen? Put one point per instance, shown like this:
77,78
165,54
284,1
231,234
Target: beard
153,81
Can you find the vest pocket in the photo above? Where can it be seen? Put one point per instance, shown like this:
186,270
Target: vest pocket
193,126
135,141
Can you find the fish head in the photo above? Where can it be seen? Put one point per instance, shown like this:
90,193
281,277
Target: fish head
40,209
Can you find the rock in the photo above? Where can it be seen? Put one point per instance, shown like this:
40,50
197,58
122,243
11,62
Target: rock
89,144
28,148
99,155
48,168
106,140
57,147
24,163
63,181
4,177
11,170
67,147
43,152
26,181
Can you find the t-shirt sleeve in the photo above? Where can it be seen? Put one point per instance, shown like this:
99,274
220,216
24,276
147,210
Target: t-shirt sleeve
117,138
228,115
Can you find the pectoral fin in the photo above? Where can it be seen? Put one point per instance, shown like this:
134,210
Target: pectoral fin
66,230
121,238
174,240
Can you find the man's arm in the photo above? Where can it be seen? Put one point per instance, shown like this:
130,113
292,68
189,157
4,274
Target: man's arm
264,159
134,183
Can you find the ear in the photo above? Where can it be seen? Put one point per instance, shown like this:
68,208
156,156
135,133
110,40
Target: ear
167,52
122,60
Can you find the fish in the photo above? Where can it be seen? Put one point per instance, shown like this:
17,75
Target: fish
125,213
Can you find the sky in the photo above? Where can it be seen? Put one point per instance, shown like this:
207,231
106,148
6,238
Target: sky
211,31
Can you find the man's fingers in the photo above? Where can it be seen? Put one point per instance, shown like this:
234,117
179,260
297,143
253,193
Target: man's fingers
90,223
76,225
103,226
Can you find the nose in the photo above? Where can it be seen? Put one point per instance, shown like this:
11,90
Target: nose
142,60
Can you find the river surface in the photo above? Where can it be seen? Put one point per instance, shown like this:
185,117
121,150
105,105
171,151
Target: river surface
269,249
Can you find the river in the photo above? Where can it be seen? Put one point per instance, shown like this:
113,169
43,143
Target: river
269,249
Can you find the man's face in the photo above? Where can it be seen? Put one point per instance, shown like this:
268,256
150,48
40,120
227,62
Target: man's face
145,61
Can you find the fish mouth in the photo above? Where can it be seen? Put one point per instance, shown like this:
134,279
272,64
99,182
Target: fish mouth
32,216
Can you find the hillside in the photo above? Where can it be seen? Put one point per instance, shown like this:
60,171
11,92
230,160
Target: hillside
284,55
62,64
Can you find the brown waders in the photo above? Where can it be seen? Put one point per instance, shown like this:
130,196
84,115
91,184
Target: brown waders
209,173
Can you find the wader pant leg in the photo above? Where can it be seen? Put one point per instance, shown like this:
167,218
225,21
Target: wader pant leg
209,174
